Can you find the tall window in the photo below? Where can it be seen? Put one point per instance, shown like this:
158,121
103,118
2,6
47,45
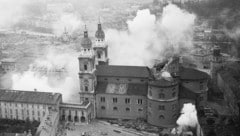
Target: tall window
85,67
139,101
86,84
114,100
99,55
102,99
127,100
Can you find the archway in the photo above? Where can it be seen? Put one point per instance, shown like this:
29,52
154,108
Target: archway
76,119
69,118
83,119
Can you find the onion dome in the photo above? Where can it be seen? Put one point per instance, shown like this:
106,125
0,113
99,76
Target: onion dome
86,41
99,33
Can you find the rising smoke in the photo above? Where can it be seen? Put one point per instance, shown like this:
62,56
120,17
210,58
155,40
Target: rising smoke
44,75
149,38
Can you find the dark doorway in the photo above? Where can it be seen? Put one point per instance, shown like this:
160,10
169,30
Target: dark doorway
83,119
69,118
63,117
76,119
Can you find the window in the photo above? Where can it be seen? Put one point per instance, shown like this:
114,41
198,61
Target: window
127,100
161,95
114,100
139,101
105,79
201,98
161,107
140,110
86,99
127,109
103,107
99,55
142,80
85,67
161,117
102,99
115,108
201,86
173,94
150,93
129,80
86,88
117,79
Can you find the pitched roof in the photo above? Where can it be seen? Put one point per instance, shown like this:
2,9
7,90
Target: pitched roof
123,71
131,89
192,74
29,97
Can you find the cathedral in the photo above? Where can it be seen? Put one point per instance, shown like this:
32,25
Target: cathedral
132,92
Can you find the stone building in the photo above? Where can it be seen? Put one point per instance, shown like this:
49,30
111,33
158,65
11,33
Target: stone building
131,92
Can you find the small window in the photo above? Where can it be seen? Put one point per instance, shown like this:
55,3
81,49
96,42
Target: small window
117,79
86,99
102,99
142,80
85,67
173,94
139,101
127,109
129,80
115,108
127,100
103,107
161,107
114,100
105,79
140,109
161,117
161,95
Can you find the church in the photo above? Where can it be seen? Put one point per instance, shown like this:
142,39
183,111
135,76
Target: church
132,92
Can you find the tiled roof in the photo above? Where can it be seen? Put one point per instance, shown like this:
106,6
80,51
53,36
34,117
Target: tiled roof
132,89
123,71
192,74
29,97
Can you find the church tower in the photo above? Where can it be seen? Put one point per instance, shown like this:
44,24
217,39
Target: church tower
100,47
87,68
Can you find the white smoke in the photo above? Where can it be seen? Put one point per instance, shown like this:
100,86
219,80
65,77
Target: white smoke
43,77
70,21
148,38
188,118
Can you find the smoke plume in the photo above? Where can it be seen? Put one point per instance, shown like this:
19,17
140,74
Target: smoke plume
149,38
187,119
44,74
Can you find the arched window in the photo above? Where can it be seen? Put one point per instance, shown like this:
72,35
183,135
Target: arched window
161,117
127,109
86,84
115,108
161,95
85,66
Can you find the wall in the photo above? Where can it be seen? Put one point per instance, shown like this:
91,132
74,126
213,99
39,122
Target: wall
121,80
136,110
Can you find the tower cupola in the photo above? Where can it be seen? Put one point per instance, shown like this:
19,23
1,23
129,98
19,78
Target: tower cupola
100,35
86,41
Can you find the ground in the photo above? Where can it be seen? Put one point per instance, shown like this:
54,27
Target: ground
101,128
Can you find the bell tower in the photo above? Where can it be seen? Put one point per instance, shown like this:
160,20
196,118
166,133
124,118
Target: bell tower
87,68
100,47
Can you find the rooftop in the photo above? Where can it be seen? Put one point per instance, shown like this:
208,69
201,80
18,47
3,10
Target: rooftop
192,74
29,97
163,83
123,71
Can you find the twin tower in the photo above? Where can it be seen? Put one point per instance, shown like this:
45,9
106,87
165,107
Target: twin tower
91,54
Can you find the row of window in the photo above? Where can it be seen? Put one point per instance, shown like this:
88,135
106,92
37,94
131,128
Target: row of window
175,116
162,95
18,117
22,112
126,109
162,107
127,100
22,105
69,112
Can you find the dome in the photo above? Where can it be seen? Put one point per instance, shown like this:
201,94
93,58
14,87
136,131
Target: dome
86,41
99,33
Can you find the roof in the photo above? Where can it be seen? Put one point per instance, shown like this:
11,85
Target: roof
192,74
123,71
127,89
163,83
100,33
29,97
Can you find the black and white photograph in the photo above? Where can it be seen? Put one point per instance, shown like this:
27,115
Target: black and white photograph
119,67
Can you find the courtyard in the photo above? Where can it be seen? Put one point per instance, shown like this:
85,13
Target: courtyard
99,128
